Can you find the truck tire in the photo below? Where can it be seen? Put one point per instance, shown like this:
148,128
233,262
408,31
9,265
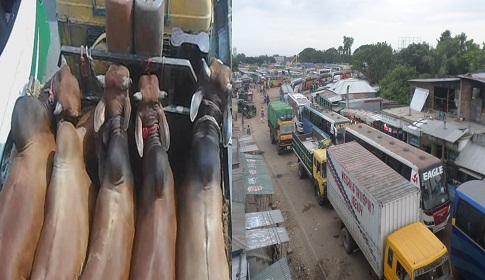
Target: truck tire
278,150
272,140
349,243
301,171
320,199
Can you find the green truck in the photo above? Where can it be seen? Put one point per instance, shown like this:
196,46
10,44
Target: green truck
310,150
281,125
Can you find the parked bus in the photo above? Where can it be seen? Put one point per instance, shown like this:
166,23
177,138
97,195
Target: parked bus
331,123
468,230
284,90
423,170
297,101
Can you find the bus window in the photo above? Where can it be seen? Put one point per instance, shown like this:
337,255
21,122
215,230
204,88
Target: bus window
406,172
468,219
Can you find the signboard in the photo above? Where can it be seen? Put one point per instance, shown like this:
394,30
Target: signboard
419,98
391,121
256,177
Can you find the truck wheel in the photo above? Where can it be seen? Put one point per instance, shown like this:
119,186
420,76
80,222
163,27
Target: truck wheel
349,243
272,140
278,149
9,152
320,199
301,170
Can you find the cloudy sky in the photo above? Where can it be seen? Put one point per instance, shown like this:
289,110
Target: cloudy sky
286,27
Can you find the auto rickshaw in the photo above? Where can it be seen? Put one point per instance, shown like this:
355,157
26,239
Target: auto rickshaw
249,110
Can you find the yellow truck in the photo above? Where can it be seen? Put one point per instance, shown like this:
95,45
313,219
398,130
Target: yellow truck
310,149
380,214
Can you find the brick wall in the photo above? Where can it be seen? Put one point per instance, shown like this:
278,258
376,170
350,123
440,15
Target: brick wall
466,98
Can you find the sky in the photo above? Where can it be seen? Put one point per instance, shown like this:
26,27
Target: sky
286,27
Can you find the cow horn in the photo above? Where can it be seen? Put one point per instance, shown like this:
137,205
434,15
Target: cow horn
137,96
101,80
229,89
58,109
207,70
127,83
162,94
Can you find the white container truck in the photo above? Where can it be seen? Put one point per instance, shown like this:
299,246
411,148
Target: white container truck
380,214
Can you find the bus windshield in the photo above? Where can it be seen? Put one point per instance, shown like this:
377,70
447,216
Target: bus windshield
434,192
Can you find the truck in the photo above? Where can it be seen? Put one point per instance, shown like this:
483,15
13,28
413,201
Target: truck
380,214
310,149
280,125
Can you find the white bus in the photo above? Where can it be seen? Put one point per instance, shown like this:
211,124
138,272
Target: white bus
423,170
297,101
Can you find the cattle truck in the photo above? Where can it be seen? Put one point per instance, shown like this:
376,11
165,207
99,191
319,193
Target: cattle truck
310,149
192,31
380,214
280,125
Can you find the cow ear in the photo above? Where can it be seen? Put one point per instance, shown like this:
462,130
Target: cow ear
227,128
139,135
127,115
101,80
195,104
163,130
99,115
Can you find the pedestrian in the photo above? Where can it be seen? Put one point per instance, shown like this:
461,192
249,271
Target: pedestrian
262,113
248,130
242,122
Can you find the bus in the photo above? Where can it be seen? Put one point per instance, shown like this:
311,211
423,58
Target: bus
423,170
468,230
297,101
327,121
284,90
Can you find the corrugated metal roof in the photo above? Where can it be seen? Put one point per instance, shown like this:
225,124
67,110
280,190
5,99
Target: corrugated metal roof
240,267
238,227
356,86
262,237
434,80
257,179
451,133
472,157
277,271
265,218
480,77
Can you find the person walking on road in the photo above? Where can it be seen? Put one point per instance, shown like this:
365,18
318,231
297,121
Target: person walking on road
262,114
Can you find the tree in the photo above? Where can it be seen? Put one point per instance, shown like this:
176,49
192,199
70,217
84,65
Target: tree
413,55
362,48
331,56
395,85
347,49
375,62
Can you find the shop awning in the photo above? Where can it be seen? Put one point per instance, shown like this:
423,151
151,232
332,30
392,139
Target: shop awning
470,160
256,177
277,271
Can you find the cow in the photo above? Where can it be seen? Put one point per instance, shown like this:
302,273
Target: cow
153,254
23,197
200,239
112,232
63,242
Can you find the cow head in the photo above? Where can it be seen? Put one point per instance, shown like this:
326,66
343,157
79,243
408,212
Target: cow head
64,96
216,89
115,102
150,116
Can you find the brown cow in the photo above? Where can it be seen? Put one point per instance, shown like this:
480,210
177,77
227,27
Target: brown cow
200,239
156,225
23,197
112,233
64,238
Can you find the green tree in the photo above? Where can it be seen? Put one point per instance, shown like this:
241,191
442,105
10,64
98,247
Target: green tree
331,56
395,85
413,55
375,62
347,48
362,48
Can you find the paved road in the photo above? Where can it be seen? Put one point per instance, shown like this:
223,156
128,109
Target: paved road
315,241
